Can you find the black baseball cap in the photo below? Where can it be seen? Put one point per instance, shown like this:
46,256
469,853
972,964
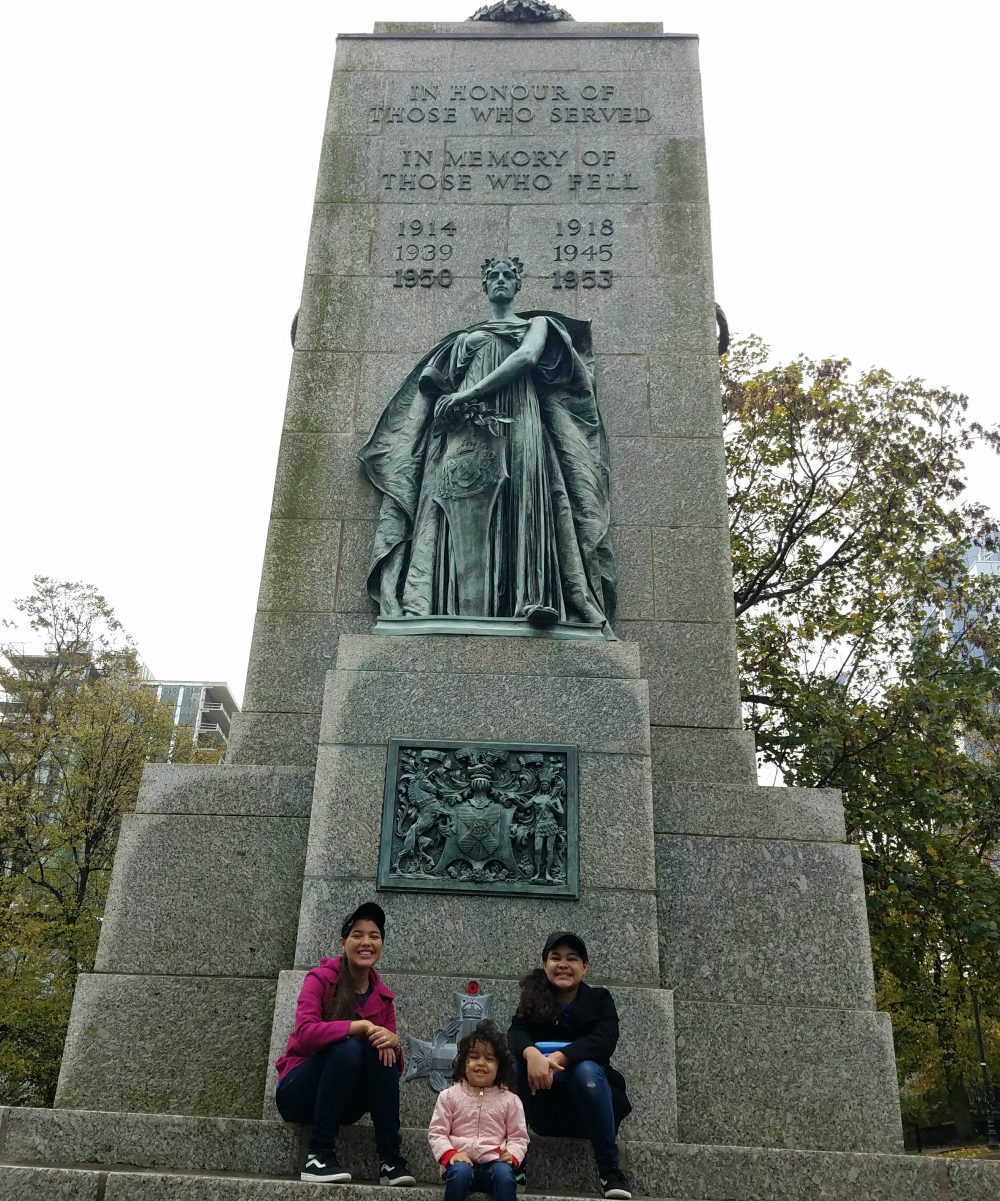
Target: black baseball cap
560,938
370,910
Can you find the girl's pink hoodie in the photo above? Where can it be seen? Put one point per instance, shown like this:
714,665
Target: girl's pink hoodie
312,1033
478,1121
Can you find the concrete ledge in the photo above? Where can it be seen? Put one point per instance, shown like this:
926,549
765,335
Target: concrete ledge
167,1044
270,738
225,791
695,1173
142,1140
136,1187
493,31
702,1173
668,1170
184,884
804,814
702,756
47,1184
790,926
597,714
771,1076
973,1180
692,672
456,654
470,52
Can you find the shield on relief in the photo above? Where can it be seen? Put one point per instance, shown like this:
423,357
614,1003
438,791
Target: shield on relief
478,836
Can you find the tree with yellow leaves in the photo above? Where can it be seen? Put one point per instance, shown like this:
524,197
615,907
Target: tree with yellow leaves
76,730
870,660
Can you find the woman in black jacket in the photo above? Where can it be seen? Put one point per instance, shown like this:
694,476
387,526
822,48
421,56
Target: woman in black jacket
562,1038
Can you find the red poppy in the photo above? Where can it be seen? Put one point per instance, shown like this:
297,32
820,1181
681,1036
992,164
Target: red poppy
472,987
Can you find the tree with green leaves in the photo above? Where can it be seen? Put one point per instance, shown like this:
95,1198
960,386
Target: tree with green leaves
76,730
870,661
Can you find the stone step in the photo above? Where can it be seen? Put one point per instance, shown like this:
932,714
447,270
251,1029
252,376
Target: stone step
74,1155
246,1146
40,1183
145,1140
22,1182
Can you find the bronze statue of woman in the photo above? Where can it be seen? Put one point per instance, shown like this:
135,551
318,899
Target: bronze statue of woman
493,465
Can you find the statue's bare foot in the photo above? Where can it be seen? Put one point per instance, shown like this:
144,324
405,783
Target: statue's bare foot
541,616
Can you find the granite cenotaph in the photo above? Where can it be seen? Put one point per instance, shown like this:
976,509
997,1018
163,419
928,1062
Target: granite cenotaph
493,679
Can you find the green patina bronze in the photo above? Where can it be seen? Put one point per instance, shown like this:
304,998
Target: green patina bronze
520,10
481,817
492,461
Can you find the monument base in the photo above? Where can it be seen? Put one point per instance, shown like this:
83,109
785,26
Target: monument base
78,1155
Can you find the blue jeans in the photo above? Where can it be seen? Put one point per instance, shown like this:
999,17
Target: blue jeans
334,1087
579,1099
496,1178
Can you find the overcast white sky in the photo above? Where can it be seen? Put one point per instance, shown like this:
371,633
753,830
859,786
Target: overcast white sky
158,164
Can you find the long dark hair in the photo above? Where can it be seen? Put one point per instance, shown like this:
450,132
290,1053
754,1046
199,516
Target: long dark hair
486,1033
538,1001
341,1003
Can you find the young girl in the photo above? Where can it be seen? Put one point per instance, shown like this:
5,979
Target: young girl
563,1036
478,1134
343,1058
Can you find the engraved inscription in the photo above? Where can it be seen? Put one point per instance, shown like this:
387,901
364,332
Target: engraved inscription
464,108
424,242
506,171
510,104
582,279
424,277
589,243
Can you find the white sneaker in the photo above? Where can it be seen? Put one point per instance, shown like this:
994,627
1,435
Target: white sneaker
322,1166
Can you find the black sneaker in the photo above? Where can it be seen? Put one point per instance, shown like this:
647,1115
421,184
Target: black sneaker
395,1172
322,1166
615,1184
520,1178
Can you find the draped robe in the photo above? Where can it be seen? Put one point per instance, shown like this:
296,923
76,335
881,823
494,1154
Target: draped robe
483,523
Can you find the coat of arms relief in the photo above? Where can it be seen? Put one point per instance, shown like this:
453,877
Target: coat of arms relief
480,817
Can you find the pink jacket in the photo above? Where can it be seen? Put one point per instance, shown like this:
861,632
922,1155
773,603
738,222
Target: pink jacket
312,1033
478,1121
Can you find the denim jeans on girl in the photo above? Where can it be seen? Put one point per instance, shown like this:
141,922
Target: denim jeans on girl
580,1098
334,1087
496,1178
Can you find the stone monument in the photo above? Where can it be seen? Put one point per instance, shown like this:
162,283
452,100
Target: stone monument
494,675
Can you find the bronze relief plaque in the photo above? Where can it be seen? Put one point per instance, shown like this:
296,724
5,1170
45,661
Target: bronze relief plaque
481,817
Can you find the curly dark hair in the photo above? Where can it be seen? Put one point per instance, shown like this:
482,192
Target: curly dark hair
538,1002
487,1033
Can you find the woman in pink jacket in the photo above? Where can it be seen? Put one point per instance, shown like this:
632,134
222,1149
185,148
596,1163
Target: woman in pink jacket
343,1057
478,1133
